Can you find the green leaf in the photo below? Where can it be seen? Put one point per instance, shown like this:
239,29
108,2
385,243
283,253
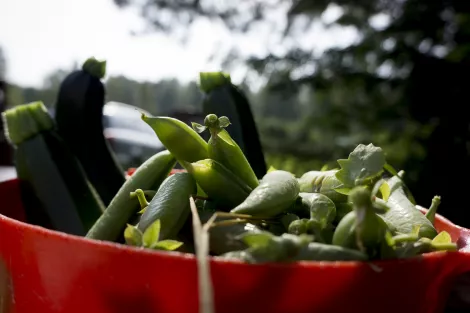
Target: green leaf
442,238
167,245
198,127
133,236
152,234
385,191
255,240
224,122
415,230
365,162
343,191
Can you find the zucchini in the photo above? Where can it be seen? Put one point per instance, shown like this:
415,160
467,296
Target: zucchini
56,191
79,118
222,98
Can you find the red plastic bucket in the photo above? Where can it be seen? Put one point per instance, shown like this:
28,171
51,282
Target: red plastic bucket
47,271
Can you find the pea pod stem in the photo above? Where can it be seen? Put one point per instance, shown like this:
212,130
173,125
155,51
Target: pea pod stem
147,193
139,193
431,213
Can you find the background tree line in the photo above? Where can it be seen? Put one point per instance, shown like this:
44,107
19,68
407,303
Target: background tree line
402,85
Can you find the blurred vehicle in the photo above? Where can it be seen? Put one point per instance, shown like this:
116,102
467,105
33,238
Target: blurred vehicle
131,139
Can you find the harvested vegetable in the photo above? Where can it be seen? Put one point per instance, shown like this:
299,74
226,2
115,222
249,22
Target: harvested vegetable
79,118
55,189
277,191
354,213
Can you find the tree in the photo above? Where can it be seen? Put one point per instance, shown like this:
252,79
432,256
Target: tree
381,88
2,65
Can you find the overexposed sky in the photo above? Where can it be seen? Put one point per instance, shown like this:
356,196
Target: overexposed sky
39,36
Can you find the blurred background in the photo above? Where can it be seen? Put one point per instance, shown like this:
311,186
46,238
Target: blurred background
322,76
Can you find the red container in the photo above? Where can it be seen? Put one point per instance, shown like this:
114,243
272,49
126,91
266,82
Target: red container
47,271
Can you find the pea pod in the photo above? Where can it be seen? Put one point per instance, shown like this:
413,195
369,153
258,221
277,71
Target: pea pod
315,251
223,149
322,182
219,183
170,205
265,247
320,207
180,139
148,176
277,191
223,239
403,215
362,228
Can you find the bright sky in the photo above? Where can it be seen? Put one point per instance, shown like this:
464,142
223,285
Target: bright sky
39,36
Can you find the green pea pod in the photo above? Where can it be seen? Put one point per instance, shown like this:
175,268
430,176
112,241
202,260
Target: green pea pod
298,227
219,183
277,191
170,205
324,252
223,149
362,228
342,209
322,182
403,215
180,139
321,208
147,176
223,239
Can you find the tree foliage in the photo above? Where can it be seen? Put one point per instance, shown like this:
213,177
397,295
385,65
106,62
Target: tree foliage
401,85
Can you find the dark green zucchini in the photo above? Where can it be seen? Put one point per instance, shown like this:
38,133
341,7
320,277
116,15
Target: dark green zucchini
79,118
56,191
223,98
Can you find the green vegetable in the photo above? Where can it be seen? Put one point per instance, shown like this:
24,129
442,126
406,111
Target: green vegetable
276,192
147,176
265,247
180,139
319,207
321,212
219,183
225,99
223,239
362,228
79,118
170,205
324,182
403,215
55,190
223,149
323,252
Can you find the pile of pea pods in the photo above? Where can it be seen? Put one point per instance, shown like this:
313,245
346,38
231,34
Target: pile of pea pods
358,212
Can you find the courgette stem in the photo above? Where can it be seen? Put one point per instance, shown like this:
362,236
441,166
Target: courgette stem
94,67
